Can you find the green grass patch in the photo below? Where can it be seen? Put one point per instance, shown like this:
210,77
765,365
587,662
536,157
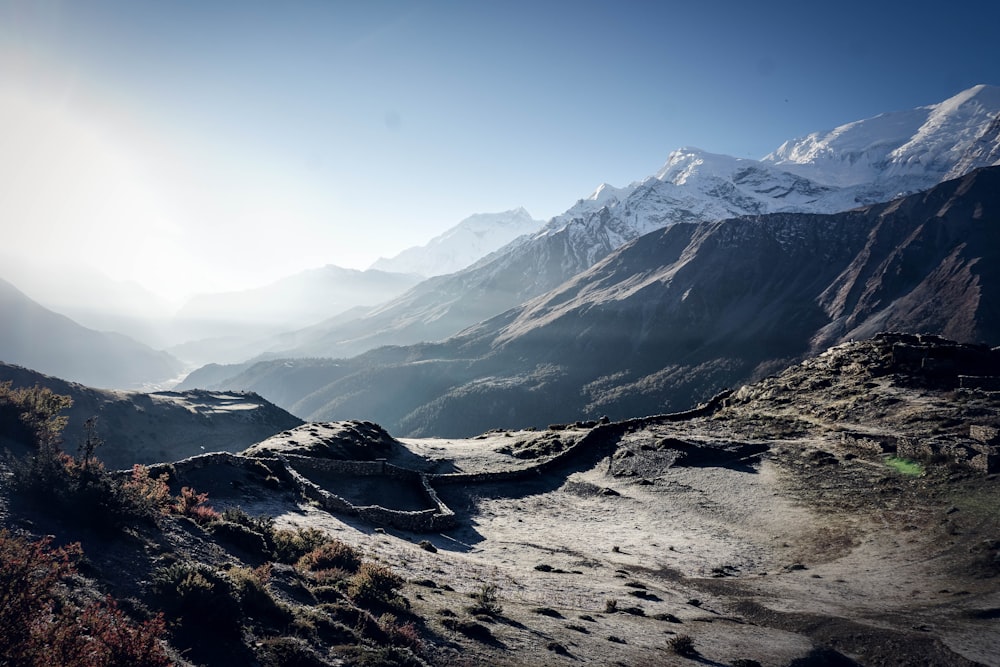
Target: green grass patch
905,466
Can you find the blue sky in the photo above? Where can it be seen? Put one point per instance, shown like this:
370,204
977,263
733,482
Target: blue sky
210,145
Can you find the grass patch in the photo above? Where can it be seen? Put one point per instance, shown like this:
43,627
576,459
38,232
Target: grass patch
905,466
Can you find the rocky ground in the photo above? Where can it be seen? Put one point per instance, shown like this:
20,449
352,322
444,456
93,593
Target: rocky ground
761,533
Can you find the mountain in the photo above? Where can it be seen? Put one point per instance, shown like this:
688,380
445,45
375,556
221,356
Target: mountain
462,245
160,426
33,336
679,314
860,163
904,150
92,299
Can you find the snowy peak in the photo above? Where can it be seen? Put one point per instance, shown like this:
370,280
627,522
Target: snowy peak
462,245
917,148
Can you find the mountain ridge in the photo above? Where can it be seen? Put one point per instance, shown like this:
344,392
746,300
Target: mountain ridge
692,186
677,315
34,336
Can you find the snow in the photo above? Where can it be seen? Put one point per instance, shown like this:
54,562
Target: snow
462,245
918,145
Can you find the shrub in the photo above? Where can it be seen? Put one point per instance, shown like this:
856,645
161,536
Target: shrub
31,415
469,629
40,626
374,584
556,647
400,634
101,636
194,505
682,645
610,606
145,495
547,611
239,536
331,555
487,601
664,616
262,525
199,596
289,545
82,489
287,652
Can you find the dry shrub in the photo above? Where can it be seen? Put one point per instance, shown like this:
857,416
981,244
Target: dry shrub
290,545
194,505
374,584
40,626
332,555
147,495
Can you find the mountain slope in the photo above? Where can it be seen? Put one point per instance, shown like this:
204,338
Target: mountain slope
679,314
860,163
33,336
462,245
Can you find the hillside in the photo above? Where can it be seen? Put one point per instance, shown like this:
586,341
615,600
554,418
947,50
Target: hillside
160,426
775,526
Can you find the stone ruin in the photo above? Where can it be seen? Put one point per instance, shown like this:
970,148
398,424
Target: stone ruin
980,451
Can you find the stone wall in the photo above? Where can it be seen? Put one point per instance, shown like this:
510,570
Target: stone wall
867,443
438,518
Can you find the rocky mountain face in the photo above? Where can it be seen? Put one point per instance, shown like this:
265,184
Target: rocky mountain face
679,314
34,336
462,245
861,163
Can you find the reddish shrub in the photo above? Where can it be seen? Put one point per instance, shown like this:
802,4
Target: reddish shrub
193,504
334,555
39,626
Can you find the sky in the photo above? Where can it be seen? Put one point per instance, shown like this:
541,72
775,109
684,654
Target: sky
195,146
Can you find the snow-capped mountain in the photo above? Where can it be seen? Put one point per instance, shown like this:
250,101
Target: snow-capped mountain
909,150
462,245
856,164
859,163
677,315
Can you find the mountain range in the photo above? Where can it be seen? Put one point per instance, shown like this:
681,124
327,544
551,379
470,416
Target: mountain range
859,163
517,345
677,315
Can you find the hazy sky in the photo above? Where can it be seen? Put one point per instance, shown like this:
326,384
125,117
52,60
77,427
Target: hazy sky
208,144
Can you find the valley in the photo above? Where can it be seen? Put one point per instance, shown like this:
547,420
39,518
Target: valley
766,526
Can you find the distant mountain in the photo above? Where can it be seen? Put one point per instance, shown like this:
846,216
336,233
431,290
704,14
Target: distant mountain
679,314
92,299
860,163
34,336
160,426
462,245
